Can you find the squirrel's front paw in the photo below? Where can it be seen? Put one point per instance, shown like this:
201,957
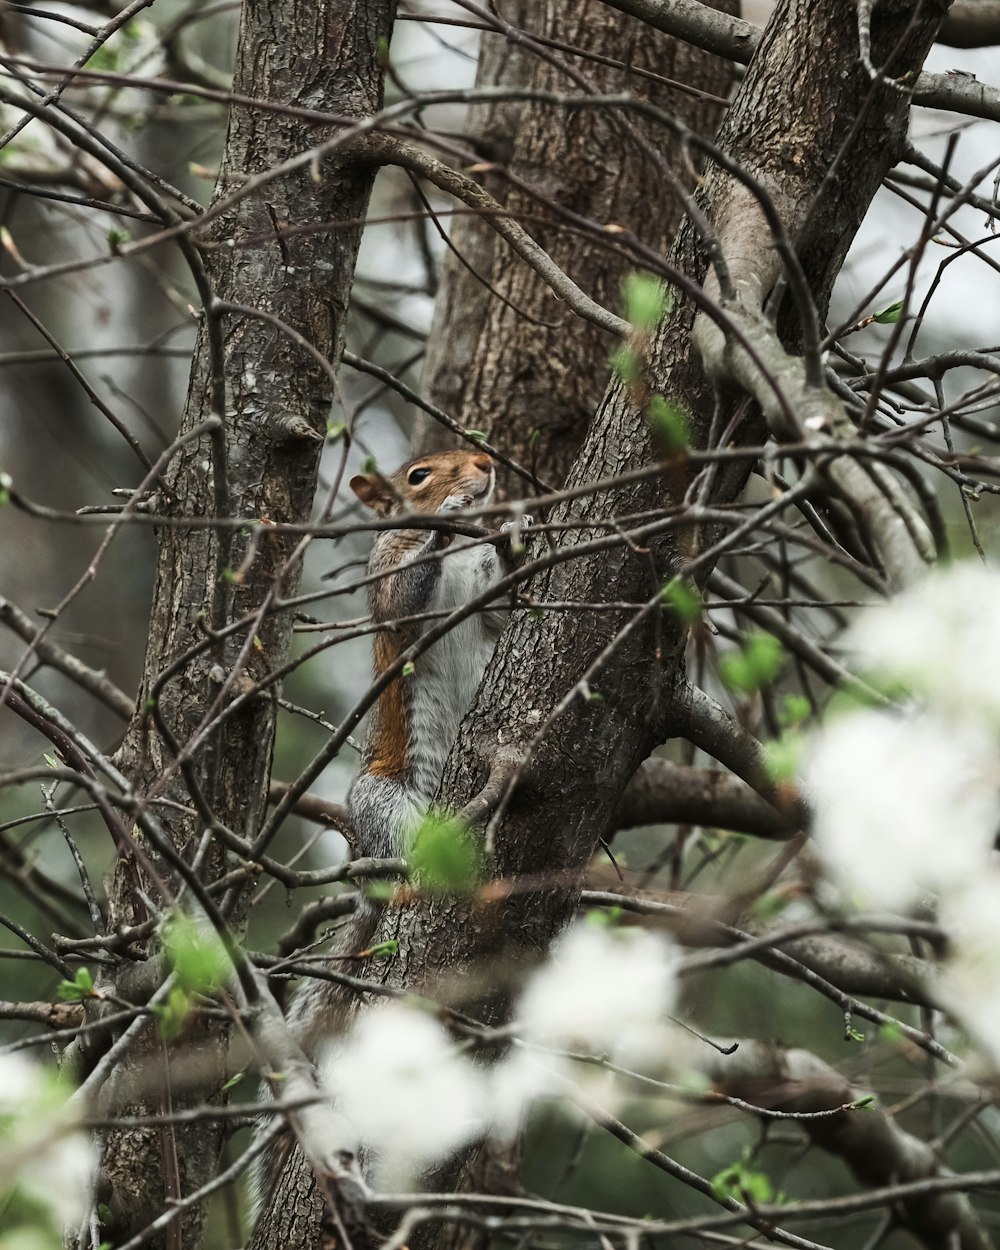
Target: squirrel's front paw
456,503
511,548
525,521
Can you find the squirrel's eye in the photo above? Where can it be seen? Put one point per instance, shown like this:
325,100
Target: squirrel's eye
416,476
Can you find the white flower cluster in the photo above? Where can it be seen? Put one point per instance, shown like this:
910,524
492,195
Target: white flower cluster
907,800
903,804
45,1160
939,640
603,990
414,1096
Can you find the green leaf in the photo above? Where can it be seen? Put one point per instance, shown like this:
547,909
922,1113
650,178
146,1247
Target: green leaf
335,430
443,856
369,465
669,424
196,955
604,917
480,434
116,237
6,481
379,891
684,600
81,987
756,665
233,1081
889,316
107,57
173,1013
890,1032
864,1104
408,669
782,756
796,709
740,1181
853,1035
625,364
382,950
645,300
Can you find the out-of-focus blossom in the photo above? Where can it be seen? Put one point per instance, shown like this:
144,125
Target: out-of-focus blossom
413,1096
605,990
969,980
903,804
410,1094
522,1077
44,1157
938,640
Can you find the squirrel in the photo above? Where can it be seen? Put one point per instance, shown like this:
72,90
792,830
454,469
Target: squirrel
417,716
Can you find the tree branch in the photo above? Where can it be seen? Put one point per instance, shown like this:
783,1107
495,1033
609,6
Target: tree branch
666,793
737,40
870,1142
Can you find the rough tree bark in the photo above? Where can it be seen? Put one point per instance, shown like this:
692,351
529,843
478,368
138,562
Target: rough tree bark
524,371
277,402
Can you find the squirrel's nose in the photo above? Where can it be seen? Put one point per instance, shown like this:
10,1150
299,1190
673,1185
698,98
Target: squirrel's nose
483,463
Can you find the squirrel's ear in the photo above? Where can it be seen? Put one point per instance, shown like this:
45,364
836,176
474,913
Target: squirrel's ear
373,491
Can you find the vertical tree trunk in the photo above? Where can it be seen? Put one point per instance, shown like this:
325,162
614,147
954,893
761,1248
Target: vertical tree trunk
309,54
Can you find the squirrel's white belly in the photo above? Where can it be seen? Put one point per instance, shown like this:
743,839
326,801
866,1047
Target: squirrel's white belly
447,676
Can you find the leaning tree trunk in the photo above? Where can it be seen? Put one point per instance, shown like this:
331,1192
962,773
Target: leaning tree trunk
276,402
521,368
797,118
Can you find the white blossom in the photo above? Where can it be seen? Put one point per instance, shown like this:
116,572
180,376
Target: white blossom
42,1152
521,1077
903,804
938,640
969,980
603,989
411,1096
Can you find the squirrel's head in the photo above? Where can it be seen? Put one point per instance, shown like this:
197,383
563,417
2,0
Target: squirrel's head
445,481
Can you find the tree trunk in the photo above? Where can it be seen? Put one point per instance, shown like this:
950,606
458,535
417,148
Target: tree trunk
521,368
792,118
581,698
277,403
